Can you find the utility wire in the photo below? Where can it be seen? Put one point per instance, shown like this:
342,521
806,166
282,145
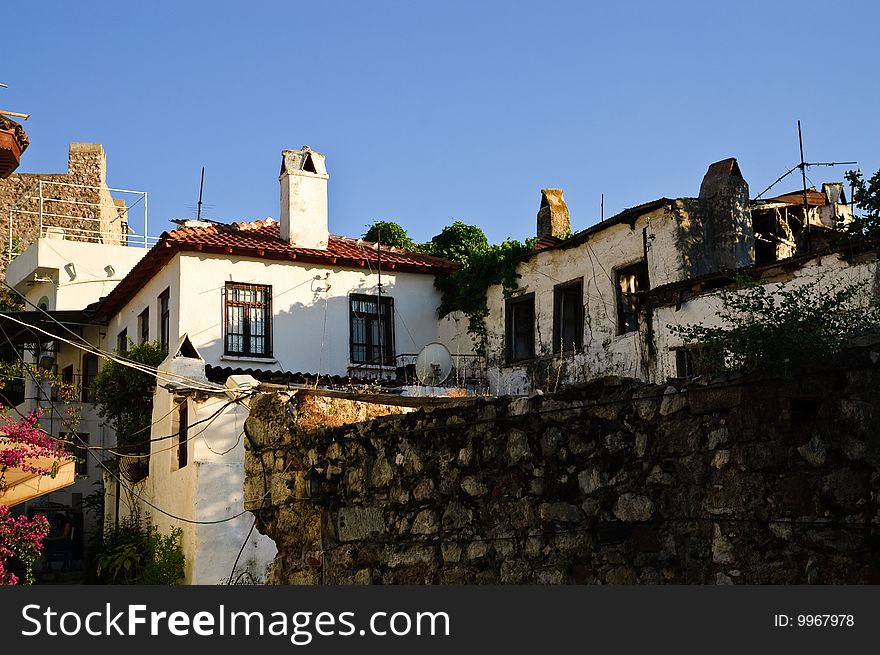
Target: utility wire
98,351
115,476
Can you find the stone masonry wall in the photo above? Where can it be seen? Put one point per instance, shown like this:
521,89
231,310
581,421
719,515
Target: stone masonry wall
617,482
74,208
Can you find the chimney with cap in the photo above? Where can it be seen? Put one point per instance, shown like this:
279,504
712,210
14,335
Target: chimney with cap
304,198
553,218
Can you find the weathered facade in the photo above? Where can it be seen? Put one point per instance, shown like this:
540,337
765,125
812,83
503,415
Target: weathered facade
607,300
756,481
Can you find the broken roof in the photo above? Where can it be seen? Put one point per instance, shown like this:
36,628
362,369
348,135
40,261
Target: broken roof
262,240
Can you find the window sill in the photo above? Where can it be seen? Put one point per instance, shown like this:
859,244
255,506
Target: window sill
245,358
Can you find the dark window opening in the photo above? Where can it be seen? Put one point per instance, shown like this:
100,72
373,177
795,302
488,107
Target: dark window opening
520,327
309,165
182,434
164,319
695,360
77,445
144,325
764,225
247,317
122,341
372,329
632,283
568,316
89,371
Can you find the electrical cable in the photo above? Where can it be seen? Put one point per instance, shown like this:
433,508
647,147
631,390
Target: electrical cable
98,351
113,475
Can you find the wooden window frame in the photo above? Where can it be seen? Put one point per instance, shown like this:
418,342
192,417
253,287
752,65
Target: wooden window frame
560,293
87,396
164,306
144,325
122,340
629,300
246,335
511,309
382,314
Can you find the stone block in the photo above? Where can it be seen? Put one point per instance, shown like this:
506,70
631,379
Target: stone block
355,523
633,507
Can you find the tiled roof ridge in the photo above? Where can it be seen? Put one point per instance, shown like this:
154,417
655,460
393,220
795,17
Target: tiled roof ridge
265,228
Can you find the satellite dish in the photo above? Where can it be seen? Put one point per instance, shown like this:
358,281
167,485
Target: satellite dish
433,365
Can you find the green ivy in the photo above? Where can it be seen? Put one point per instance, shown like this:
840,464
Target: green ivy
482,265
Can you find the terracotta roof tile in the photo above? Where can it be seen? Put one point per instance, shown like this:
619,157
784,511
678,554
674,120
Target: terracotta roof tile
263,239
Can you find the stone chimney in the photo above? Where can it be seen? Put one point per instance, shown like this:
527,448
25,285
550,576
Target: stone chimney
728,237
304,198
553,218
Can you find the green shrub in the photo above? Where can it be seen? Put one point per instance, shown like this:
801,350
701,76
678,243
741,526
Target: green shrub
137,553
784,330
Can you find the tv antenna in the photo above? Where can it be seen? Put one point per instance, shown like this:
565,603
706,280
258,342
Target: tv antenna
803,165
201,188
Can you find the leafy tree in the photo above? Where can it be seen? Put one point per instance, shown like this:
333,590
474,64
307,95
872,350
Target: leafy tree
866,195
458,242
784,330
124,396
391,235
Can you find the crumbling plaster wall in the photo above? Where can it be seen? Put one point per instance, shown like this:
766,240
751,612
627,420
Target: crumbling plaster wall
649,353
759,481
604,352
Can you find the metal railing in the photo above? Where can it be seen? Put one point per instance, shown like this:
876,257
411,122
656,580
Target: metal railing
469,371
78,212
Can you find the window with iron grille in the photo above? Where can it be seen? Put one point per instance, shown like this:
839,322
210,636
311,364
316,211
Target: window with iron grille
372,329
247,320
632,283
164,319
568,316
144,325
520,327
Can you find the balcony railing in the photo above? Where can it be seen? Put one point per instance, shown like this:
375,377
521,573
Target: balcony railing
76,212
468,371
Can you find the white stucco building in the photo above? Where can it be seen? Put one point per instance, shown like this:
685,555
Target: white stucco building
264,298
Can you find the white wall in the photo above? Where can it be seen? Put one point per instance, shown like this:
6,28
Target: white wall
208,488
76,286
310,309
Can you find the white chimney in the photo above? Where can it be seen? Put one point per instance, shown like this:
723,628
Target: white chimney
304,198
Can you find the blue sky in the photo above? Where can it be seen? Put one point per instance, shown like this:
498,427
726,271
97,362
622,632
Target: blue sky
432,112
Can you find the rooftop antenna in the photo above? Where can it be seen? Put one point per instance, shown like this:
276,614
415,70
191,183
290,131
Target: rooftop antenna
602,208
201,188
803,165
